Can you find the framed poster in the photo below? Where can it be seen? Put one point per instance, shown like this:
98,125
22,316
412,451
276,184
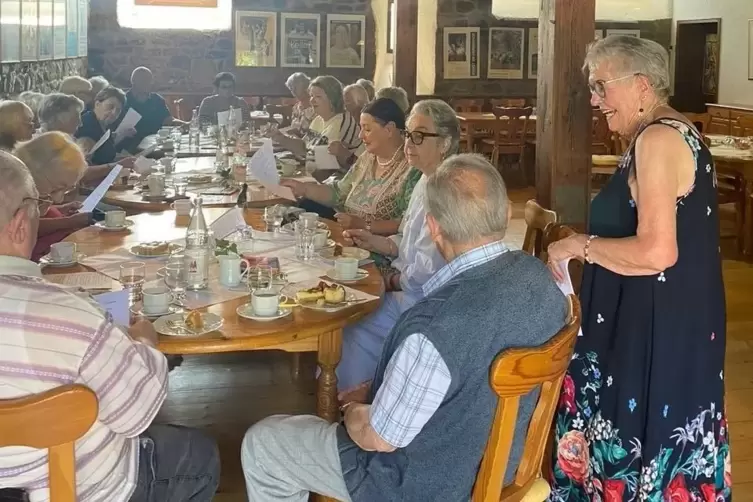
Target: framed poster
460,53
301,40
29,29
59,32
255,38
627,33
346,44
10,31
711,65
533,53
44,35
83,28
506,50
71,28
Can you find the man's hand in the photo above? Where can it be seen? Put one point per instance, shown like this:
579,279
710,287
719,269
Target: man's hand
127,162
69,208
363,239
298,188
143,331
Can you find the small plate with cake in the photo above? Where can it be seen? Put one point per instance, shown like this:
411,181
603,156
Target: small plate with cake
193,323
155,249
324,297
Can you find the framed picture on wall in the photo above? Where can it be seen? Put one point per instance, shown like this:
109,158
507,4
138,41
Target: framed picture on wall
59,32
346,41
460,53
628,33
10,34
301,40
44,36
255,39
71,28
506,52
533,53
29,30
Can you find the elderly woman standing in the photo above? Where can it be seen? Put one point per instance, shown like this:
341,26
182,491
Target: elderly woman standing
432,134
57,164
16,124
642,414
303,113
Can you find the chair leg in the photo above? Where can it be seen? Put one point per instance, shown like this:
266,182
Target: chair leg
295,368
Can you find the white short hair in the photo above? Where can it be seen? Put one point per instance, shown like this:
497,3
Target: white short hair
16,186
54,106
53,159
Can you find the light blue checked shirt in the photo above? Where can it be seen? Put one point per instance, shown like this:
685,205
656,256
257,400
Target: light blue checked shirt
416,378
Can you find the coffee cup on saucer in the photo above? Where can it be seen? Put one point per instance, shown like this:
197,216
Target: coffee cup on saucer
182,207
63,252
265,302
320,238
115,219
155,300
156,184
346,268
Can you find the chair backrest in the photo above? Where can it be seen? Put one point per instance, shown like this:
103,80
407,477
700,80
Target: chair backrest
701,121
515,373
537,218
509,102
53,420
554,232
467,105
745,124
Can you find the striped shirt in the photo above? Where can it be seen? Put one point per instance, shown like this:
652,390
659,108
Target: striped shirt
52,336
342,127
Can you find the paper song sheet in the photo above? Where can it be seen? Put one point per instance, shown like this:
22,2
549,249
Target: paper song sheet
263,167
99,143
566,286
84,280
228,223
324,160
93,199
116,303
129,121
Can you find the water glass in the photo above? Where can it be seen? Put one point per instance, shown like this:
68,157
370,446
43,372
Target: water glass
180,185
132,277
273,218
305,232
175,276
260,278
176,136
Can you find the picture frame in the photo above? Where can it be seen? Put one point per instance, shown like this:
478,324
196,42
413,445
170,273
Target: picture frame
300,41
460,53
255,39
533,53
59,28
10,35
626,32
346,41
29,30
507,52
750,49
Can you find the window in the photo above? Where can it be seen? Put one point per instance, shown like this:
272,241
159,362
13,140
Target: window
207,15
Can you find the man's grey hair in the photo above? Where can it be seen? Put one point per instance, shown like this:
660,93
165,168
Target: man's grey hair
74,84
55,106
369,86
333,89
296,79
396,94
444,119
360,94
16,186
98,83
467,197
632,56
32,100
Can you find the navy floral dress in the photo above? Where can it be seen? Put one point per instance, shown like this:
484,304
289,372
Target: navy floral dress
641,414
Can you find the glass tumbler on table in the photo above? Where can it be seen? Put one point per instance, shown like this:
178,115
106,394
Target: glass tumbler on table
175,277
180,185
273,218
132,277
260,278
305,230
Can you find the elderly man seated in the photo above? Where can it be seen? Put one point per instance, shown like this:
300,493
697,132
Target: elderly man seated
52,336
420,432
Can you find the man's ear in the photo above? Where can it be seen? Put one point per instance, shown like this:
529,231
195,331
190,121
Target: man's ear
434,230
19,227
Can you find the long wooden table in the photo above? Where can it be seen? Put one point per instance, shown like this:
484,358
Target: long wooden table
303,331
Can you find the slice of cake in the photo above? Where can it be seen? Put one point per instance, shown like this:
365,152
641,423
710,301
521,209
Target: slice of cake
194,321
334,293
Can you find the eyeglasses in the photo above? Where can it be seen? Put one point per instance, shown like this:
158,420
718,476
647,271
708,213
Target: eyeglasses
417,137
599,87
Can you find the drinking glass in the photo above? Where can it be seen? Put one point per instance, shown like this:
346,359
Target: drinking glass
260,278
305,230
176,136
180,185
132,277
175,277
273,218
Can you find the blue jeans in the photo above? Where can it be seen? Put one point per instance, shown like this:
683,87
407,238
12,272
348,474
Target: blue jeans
176,464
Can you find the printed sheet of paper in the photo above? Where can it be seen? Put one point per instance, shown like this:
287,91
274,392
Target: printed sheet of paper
116,303
99,143
566,286
84,280
223,118
263,167
93,199
324,160
129,121
228,223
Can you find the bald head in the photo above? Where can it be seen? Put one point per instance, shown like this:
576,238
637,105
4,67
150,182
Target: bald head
19,215
141,81
16,123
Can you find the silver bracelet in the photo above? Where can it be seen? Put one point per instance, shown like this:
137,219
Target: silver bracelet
587,247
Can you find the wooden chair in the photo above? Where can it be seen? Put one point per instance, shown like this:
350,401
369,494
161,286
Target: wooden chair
537,218
286,112
467,105
509,139
601,143
53,420
701,121
514,374
509,102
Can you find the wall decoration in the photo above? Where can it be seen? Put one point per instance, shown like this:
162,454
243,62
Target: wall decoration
627,33
44,35
71,26
346,45
506,53
178,3
301,40
10,31
750,49
711,65
59,29
533,53
598,34
255,38
29,30
460,53
83,28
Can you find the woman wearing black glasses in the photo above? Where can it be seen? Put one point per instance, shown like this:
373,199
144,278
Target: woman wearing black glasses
432,134
642,413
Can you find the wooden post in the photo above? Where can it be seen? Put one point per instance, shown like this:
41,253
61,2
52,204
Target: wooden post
563,126
406,46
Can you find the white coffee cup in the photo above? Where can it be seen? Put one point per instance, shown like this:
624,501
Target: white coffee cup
230,269
115,219
309,217
320,238
265,302
156,183
182,207
346,268
63,252
288,168
156,300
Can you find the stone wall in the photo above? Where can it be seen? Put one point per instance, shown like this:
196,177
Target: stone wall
478,13
187,60
41,76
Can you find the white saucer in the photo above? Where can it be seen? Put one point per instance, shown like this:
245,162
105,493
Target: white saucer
137,310
47,261
126,225
247,311
360,275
